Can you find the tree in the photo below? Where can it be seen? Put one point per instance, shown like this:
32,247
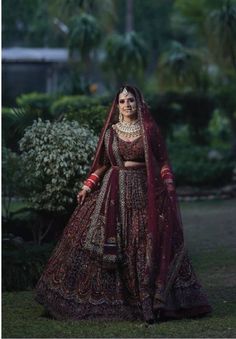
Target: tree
129,26
212,26
221,31
126,57
213,23
84,37
181,67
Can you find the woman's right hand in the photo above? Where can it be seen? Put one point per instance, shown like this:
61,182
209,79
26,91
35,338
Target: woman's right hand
81,196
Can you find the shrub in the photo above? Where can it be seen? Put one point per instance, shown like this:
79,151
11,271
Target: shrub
86,110
11,179
56,157
22,267
192,166
36,103
192,108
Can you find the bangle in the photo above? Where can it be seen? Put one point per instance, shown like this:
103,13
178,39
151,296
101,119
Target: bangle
166,174
91,182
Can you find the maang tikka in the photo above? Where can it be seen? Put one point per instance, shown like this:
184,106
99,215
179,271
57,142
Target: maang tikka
125,92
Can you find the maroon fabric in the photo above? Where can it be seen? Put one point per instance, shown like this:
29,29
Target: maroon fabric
98,234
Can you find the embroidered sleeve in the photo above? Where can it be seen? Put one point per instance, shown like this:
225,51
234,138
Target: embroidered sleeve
161,153
105,159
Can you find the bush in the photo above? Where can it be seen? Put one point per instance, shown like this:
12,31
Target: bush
86,110
192,166
11,179
36,103
56,157
192,108
22,267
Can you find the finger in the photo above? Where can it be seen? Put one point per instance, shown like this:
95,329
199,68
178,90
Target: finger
82,200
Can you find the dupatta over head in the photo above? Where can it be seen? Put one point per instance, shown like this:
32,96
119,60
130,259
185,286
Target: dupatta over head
165,232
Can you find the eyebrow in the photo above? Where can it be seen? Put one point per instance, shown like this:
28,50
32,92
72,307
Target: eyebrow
127,97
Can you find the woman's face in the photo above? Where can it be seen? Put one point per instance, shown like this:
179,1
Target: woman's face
127,104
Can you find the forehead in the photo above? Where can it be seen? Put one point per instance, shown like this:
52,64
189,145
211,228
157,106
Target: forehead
126,96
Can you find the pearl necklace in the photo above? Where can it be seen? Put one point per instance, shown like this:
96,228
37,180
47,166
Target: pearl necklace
128,130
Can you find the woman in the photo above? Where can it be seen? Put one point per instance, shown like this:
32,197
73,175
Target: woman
122,254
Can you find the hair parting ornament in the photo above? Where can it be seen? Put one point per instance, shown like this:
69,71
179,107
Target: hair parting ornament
124,91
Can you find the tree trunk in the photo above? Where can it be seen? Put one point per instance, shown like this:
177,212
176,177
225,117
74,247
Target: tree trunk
129,16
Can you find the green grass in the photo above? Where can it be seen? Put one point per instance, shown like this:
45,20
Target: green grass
210,238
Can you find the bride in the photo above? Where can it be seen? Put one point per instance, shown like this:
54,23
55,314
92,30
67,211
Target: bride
122,254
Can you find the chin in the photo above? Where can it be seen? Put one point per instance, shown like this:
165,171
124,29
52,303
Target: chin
129,114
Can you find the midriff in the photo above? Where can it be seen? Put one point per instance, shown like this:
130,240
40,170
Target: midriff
134,164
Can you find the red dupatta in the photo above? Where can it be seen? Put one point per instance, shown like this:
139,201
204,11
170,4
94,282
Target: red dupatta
164,220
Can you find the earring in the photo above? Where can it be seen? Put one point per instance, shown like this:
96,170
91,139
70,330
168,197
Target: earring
121,118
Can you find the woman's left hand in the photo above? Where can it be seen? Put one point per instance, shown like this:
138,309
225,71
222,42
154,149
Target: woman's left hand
170,187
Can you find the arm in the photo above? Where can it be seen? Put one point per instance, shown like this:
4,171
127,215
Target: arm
161,153
92,181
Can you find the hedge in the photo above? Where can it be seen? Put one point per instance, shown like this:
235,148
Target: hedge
22,267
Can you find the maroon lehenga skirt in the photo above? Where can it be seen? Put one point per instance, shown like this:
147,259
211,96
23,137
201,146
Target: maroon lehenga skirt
74,285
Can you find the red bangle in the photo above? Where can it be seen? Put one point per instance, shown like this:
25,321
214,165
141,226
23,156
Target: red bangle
92,180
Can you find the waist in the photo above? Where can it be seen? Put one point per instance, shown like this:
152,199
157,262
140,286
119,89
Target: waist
130,165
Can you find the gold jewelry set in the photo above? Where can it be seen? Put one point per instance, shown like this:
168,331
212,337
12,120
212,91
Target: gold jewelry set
128,130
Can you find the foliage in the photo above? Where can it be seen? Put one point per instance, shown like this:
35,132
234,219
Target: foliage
209,27
37,103
221,31
126,56
86,110
9,132
192,108
181,66
104,11
219,128
193,166
84,34
215,23
56,157
11,178
227,101
29,24
15,120
197,111
22,266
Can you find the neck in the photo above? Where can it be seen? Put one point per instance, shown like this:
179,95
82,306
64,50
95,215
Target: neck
130,119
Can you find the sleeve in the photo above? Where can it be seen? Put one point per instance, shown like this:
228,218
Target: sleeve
105,161
161,154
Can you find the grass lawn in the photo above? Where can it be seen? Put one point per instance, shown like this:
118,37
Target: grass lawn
210,236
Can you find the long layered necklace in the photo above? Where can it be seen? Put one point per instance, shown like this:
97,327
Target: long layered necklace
127,129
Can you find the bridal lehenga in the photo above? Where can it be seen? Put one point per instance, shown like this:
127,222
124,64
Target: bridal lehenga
122,254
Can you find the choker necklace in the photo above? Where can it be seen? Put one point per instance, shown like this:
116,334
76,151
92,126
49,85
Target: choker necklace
127,129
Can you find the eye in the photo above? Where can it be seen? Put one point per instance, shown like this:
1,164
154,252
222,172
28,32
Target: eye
121,101
131,99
